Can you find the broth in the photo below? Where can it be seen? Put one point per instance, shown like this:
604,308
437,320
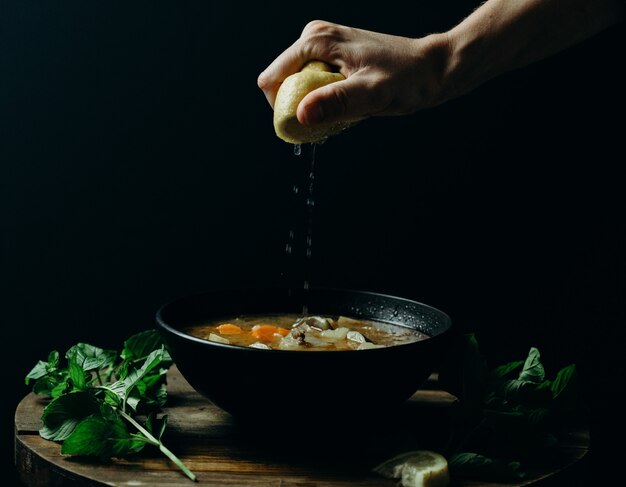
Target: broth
305,333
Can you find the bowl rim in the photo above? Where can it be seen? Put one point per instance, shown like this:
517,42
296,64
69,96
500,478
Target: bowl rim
161,323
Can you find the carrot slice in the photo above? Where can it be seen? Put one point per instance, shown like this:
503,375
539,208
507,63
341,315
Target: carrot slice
228,329
266,333
282,331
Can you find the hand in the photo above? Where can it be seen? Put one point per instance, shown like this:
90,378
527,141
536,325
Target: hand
392,75
385,74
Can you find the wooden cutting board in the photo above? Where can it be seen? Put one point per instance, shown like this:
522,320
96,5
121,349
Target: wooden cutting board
222,452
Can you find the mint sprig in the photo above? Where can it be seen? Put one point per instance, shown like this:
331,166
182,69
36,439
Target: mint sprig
97,394
508,416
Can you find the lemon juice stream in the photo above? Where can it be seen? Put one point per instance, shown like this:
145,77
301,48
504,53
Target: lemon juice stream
299,246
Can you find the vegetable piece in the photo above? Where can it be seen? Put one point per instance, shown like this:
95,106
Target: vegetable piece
218,339
355,336
420,468
290,342
336,334
229,329
311,339
314,321
345,321
259,345
266,333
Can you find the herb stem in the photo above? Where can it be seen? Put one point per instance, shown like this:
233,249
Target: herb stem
161,446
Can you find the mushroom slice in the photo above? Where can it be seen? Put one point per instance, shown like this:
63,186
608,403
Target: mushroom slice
355,336
318,322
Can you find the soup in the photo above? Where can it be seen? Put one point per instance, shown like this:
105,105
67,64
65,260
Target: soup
305,333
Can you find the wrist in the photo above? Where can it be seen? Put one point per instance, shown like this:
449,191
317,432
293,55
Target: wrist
435,58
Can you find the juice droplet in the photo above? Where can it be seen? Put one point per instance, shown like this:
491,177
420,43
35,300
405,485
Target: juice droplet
297,149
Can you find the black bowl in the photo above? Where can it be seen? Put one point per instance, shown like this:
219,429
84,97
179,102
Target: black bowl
247,381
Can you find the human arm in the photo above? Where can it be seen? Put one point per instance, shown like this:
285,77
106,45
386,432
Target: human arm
393,75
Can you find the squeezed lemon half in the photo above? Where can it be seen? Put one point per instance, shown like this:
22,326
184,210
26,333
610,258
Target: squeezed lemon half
420,468
313,75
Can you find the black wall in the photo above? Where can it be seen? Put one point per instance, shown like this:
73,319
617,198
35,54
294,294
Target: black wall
138,163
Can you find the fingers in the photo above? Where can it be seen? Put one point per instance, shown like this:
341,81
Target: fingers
317,41
287,63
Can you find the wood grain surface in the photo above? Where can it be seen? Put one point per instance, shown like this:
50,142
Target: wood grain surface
289,450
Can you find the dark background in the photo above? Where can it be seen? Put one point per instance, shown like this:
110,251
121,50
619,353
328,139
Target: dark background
138,163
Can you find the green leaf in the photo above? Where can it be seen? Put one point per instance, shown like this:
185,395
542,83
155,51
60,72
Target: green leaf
61,388
53,361
89,357
533,370
568,406
104,438
123,369
133,401
537,418
502,371
77,375
62,414
47,384
123,387
476,466
563,380
141,345
112,399
86,410
38,371
151,390
524,392
43,368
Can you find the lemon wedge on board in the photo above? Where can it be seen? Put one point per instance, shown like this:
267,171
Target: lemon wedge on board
420,468
313,75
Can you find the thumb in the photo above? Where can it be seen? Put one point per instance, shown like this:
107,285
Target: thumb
345,100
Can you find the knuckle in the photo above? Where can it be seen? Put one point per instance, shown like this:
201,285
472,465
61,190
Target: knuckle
316,27
323,31
321,39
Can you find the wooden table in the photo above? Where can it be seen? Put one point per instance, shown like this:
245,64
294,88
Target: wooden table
223,453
